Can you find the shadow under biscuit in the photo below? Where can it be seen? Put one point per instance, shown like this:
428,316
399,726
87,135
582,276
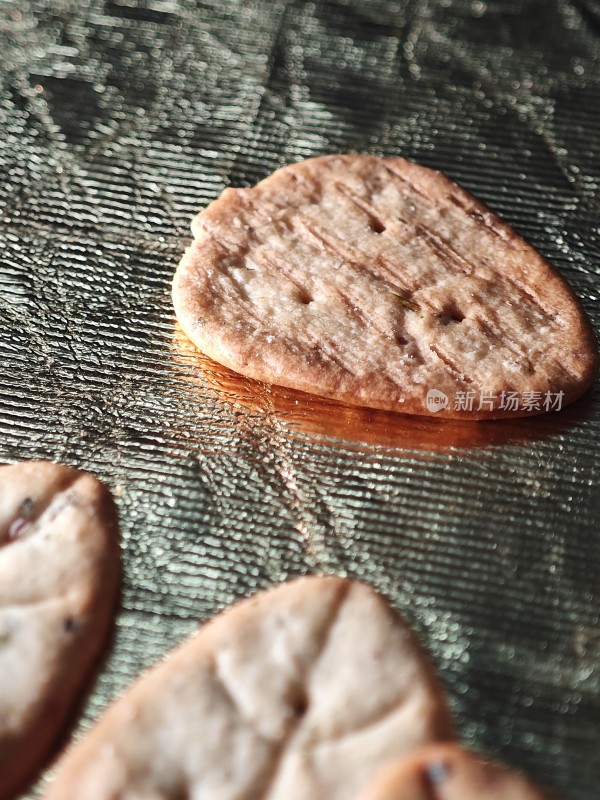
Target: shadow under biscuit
302,413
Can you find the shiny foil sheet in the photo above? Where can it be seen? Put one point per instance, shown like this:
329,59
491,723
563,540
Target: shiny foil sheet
121,119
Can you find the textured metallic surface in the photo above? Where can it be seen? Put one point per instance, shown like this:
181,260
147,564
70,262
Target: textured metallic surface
118,121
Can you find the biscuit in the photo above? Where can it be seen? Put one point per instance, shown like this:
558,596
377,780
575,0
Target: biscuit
381,283
447,772
299,693
59,576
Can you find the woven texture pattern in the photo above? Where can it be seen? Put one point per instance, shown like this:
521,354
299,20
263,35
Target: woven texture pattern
121,119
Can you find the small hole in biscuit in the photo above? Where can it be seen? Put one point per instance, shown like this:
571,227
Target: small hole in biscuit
451,313
377,225
401,340
180,793
305,298
27,505
300,706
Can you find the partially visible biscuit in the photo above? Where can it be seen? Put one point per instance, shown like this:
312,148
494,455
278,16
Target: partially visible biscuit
381,283
59,577
448,772
299,693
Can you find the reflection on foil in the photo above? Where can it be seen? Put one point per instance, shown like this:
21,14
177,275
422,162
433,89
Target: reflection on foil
299,412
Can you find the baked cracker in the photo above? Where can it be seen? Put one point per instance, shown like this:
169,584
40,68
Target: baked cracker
299,693
382,283
59,577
